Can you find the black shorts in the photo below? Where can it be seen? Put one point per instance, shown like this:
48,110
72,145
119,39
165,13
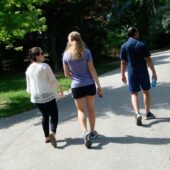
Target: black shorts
79,92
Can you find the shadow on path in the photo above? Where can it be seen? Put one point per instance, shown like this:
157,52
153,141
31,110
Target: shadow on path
105,140
158,60
157,121
116,101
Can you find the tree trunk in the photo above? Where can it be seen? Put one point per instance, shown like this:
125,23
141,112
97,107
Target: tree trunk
153,7
53,52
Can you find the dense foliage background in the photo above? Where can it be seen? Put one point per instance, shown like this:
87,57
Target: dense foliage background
102,23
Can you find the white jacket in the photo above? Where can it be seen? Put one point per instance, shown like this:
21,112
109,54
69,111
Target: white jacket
41,82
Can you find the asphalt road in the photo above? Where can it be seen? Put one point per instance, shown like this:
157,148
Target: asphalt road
121,146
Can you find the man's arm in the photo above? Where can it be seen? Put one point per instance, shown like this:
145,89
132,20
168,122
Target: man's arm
123,69
123,58
151,66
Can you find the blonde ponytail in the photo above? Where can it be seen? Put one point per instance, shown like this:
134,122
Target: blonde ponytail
75,45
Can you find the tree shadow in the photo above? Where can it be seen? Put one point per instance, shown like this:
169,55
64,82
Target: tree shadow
105,140
161,58
157,121
69,112
116,101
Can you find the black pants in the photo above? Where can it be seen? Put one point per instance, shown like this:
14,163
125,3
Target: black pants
49,109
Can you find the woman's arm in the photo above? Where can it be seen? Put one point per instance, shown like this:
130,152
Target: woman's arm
61,90
51,77
53,81
93,73
67,71
28,89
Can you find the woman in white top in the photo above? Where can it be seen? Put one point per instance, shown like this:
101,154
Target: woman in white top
41,84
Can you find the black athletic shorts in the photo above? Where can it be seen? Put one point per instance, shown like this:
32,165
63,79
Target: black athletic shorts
79,92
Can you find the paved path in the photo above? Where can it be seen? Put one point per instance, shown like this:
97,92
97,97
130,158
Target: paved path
121,146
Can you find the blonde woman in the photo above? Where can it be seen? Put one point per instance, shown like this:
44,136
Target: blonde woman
40,84
78,65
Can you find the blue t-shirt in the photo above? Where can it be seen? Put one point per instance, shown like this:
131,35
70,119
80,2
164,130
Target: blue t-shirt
134,52
79,69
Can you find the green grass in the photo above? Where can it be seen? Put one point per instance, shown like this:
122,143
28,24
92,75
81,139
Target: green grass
14,99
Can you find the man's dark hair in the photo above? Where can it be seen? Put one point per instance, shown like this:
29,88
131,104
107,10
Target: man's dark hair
132,31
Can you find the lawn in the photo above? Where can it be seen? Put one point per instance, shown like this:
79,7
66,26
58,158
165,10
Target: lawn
13,97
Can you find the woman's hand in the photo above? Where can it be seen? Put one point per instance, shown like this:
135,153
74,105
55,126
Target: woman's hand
61,91
100,92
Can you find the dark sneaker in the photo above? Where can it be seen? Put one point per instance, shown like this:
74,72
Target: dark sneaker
94,135
53,141
138,118
47,141
87,140
150,116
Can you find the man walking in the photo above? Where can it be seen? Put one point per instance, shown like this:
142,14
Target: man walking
136,56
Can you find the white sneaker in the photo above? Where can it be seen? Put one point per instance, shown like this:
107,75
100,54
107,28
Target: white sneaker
87,140
138,118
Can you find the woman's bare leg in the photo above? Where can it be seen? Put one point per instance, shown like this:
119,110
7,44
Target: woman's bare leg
81,114
91,111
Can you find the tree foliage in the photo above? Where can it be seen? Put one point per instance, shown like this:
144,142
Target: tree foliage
160,27
18,17
102,23
144,14
86,16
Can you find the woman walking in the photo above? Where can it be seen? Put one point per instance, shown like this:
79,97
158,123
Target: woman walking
41,84
78,65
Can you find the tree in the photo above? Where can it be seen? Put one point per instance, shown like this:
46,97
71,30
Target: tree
144,14
86,16
19,17
160,27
